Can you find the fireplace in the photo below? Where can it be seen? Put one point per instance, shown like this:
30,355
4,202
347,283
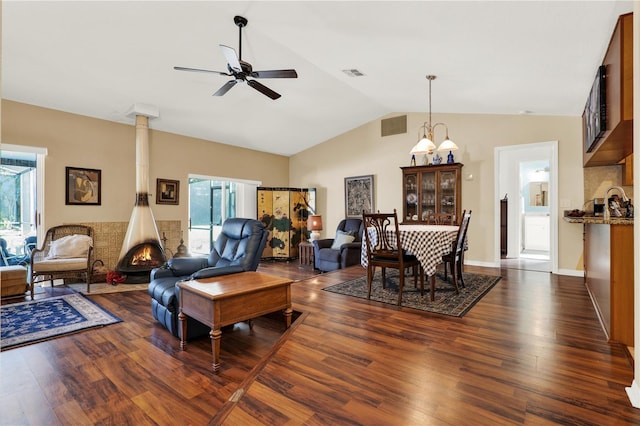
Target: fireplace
139,260
142,249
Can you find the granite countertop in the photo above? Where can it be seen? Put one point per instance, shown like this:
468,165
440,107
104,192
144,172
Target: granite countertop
600,220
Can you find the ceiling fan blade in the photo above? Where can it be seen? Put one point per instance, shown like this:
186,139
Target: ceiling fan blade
231,57
224,89
275,74
199,70
263,89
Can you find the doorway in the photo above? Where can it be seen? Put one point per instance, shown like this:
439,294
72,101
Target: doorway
20,195
526,228
212,200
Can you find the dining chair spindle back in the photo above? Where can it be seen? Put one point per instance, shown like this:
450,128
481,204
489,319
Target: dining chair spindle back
455,258
386,250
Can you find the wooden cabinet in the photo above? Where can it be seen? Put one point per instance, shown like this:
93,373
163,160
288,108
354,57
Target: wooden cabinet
430,190
284,212
609,267
617,141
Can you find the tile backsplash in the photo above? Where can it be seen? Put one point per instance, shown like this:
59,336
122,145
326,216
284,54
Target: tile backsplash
598,179
109,236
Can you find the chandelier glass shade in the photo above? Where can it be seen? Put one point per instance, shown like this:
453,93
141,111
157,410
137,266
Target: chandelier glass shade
447,145
425,143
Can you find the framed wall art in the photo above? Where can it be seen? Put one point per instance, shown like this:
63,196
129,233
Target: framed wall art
167,191
358,194
83,186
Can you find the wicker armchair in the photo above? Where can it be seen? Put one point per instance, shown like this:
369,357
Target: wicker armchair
53,261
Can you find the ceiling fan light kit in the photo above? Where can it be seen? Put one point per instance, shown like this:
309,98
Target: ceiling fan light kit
425,143
241,70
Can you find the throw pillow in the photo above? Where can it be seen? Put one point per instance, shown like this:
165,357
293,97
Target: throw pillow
342,238
70,246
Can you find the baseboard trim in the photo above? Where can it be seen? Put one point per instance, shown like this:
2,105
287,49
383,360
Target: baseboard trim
484,264
633,392
571,272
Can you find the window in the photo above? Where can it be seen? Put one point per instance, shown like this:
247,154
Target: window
212,201
18,199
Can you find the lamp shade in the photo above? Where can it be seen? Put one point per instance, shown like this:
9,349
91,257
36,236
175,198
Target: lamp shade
447,145
424,146
314,223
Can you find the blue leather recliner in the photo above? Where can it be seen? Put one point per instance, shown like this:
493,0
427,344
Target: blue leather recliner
237,249
328,259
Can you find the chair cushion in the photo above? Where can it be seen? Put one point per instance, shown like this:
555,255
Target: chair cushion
328,255
55,265
342,238
71,246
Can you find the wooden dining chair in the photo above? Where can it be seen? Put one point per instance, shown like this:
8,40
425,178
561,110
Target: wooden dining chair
455,258
387,251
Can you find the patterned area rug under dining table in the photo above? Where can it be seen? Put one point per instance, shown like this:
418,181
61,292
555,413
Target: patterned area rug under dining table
446,302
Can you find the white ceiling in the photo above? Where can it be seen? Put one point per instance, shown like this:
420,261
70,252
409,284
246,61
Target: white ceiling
99,58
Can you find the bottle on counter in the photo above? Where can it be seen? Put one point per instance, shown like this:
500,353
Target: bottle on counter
629,209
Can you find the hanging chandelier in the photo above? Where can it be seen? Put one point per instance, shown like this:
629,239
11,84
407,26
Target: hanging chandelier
425,143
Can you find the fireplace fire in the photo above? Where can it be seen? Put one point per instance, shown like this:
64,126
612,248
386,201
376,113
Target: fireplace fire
142,257
140,260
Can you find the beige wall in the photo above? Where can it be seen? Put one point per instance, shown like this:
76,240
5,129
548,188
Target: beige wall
80,141
363,151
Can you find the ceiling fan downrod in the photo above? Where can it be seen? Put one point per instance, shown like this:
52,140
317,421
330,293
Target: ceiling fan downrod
240,22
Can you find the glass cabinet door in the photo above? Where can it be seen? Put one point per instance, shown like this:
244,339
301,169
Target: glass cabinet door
428,195
411,196
447,193
430,190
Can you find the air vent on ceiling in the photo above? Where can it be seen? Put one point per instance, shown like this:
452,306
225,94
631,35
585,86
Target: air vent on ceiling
393,125
353,73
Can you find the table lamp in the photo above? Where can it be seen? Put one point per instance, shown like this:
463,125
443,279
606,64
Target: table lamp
314,224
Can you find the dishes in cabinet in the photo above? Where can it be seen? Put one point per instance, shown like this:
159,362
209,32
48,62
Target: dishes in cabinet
412,198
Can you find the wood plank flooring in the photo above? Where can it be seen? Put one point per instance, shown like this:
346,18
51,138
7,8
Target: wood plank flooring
530,352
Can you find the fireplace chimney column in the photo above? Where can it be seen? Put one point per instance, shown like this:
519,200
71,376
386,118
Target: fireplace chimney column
142,249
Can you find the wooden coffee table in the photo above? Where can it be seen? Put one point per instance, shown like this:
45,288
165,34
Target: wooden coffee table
228,299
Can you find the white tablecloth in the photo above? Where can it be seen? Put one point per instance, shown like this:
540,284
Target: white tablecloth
427,242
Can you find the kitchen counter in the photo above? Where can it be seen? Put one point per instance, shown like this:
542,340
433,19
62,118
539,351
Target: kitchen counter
592,220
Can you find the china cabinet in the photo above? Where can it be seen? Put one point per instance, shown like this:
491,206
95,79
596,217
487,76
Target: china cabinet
428,190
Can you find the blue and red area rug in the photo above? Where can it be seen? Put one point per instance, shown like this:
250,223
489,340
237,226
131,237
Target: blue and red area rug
35,321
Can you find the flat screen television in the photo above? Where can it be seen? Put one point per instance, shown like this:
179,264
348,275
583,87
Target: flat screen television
594,118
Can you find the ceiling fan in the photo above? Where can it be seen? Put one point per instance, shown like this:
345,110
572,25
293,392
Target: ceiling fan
241,70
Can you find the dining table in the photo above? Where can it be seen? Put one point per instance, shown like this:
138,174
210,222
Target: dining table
428,243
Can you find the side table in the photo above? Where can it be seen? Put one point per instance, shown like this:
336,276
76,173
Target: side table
305,251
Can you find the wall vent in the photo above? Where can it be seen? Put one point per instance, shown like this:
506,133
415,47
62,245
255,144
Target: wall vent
393,125
353,73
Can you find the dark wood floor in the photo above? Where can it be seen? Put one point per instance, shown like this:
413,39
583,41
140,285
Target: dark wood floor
530,352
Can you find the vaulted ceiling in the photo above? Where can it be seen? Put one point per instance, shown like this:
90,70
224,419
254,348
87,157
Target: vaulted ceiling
98,58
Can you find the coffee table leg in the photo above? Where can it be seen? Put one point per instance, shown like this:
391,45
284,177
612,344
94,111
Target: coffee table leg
215,335
182,318
287,317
